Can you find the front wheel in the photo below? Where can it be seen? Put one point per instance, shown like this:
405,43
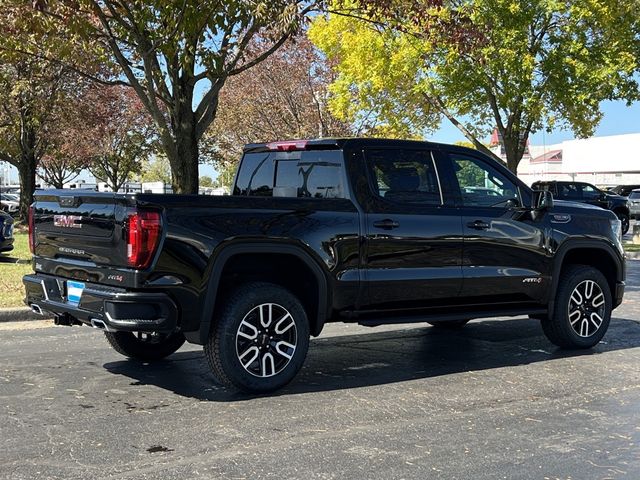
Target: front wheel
259,340
145,346
582,310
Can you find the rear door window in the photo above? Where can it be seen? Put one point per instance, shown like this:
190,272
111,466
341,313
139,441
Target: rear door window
404,176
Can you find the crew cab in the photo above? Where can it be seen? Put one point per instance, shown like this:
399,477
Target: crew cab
370,231
586,193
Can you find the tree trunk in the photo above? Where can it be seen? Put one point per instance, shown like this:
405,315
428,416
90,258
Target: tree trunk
514,147
27,173
184,154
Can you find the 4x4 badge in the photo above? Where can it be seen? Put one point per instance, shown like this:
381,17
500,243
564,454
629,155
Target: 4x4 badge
560,218
532,280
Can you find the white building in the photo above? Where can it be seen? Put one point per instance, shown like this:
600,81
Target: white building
602,161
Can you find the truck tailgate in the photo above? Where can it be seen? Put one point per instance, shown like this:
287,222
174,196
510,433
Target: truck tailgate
85,226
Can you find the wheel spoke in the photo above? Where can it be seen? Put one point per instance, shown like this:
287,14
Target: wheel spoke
588,289
265,320
598,320
268,359
576,297
575,316
280,329
247,325
284,353
254,354
584,328
598,300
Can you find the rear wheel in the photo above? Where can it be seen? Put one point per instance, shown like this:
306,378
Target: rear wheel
145,346
582,310
449,325
259,340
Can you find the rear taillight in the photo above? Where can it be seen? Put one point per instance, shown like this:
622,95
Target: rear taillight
32,232
143,235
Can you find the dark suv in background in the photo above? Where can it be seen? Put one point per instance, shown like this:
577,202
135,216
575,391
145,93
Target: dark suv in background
586,193
623,190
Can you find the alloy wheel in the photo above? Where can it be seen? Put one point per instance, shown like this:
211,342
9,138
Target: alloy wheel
586,308
266,340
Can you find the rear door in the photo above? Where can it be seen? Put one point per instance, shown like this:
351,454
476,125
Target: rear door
413,244
504,255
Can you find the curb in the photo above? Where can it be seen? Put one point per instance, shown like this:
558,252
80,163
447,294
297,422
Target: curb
632,255
20,314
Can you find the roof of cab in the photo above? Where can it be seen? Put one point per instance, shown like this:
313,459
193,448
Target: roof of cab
332,143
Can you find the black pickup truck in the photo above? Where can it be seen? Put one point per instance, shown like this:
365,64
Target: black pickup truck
349,230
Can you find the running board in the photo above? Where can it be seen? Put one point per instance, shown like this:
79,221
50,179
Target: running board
450,317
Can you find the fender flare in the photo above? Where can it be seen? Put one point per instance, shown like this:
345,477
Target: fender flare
221,258
576,244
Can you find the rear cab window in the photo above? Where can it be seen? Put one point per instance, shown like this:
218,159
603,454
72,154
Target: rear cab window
298,174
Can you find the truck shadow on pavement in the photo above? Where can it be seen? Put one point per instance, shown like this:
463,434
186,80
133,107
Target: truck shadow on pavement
368,359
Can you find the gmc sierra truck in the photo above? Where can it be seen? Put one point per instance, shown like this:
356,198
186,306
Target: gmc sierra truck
333,230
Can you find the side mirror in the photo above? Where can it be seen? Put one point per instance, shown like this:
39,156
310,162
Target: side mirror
542,200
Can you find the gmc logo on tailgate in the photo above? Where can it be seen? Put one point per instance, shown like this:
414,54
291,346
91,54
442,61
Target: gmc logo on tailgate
67,221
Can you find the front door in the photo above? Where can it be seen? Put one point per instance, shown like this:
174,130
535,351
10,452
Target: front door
504,255
413,243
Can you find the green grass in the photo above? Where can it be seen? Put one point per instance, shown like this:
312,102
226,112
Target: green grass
631,247
11,272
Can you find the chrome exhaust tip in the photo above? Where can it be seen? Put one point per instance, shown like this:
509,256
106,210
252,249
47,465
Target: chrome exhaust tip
101,325
95,323
36,309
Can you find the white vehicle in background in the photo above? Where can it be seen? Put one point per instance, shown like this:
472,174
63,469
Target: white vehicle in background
634,203
9,203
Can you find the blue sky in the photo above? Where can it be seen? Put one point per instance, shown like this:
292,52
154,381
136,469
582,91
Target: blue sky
618,119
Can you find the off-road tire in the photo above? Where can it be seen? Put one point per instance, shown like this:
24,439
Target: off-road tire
221,349
153,348
558,327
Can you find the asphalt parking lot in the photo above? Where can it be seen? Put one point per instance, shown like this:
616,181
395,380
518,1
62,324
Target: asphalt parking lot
494,400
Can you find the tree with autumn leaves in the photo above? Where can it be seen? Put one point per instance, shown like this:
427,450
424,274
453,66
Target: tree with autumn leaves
284,97
513,65
175,55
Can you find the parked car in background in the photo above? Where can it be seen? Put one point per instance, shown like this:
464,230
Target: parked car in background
586,193
624,190
9,204
6,232
634,203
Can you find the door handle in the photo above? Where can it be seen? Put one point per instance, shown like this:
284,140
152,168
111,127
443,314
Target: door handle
479,225
386,224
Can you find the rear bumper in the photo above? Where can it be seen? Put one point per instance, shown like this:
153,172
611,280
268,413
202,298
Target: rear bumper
114,308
